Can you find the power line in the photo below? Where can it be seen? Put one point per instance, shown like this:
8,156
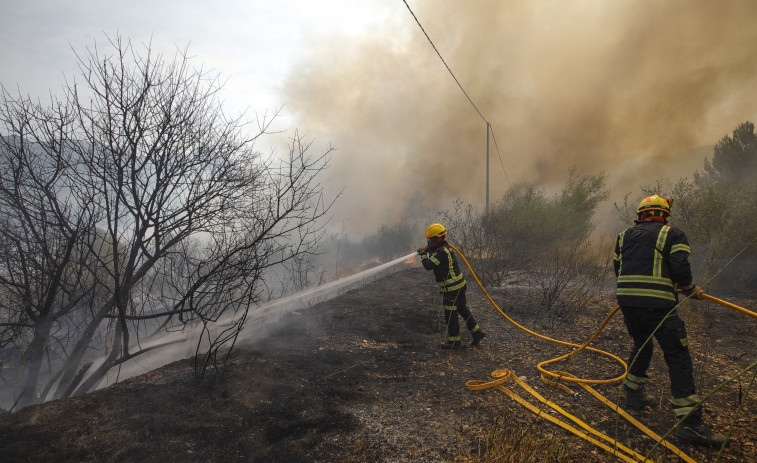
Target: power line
445,63
461,88
500,157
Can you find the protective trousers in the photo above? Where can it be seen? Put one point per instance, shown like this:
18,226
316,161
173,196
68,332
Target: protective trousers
455,304
642,323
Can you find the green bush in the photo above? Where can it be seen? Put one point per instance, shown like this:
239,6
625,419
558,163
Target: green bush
525,226
716,210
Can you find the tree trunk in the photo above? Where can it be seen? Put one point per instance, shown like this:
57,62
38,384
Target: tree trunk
70,368
97,375
29,371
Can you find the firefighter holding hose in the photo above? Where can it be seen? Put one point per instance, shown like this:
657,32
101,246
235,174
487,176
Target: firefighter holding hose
651,261
438,256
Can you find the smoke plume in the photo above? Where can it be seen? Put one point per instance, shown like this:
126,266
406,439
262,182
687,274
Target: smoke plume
632,89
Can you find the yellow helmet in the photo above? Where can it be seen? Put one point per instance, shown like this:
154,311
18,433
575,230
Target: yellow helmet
436,230
654,205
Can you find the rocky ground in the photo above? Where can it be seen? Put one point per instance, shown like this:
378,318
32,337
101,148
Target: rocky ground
360,378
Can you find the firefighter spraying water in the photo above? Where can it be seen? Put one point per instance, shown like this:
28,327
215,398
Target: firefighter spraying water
438,257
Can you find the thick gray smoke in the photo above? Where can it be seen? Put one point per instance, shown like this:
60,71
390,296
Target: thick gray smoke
633,89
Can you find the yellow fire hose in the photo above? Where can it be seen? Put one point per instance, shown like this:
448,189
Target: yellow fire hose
729,305
578,348
502,376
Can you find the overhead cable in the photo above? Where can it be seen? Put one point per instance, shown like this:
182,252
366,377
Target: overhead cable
500,157
459,85
445,63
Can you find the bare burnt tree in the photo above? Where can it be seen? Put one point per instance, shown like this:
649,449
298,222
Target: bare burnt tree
566,280
46,225
300,274
184,216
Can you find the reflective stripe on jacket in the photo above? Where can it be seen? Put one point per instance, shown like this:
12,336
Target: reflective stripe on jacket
446,271
650,260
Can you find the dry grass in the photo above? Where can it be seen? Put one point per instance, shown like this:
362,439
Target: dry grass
506,445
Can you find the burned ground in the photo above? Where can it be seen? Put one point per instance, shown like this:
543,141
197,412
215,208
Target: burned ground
360,378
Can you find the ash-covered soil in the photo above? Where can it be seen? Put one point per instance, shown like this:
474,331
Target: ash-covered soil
360,378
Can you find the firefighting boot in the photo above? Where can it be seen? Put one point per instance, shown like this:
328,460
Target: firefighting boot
637,400
695,432
477,337
450,344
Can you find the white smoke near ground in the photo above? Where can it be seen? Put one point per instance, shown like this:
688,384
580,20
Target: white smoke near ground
637,90
169,347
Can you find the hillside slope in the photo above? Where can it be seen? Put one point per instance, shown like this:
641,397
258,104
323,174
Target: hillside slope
360,378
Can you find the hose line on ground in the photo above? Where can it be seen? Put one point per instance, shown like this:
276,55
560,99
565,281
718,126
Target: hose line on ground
578,348
617,449
588,433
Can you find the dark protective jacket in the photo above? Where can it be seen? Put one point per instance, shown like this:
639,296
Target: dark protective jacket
447,273
651,261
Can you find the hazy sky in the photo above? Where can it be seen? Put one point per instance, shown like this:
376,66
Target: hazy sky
625,87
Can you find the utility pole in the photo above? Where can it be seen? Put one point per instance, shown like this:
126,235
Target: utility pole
487,168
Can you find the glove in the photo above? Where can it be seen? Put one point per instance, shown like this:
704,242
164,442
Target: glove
693,292
422,250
